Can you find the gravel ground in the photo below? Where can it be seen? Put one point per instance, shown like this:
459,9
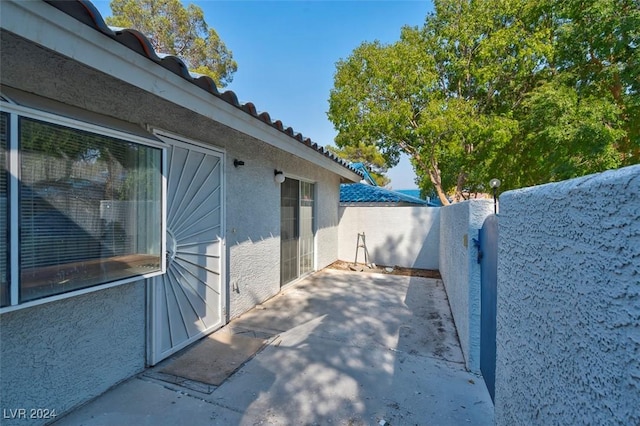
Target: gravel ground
384,269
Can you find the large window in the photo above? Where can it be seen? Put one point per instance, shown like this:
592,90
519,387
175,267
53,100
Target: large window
89,209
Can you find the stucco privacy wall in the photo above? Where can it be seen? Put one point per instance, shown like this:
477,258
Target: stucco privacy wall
402,236
459,226
568,321
54,355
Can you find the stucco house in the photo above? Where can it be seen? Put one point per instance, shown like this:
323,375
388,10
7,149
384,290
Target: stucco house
140,208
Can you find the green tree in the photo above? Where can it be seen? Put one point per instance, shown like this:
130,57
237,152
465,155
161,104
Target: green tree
597,49
585,117
565,134
528,91
368,155
176,30
434,94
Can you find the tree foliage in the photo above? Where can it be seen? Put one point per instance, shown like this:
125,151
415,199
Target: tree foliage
369,155
176,30
530,91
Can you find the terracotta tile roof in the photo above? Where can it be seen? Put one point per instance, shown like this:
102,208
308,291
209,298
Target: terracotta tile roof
85,12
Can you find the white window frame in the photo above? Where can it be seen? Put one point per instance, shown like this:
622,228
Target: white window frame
16,111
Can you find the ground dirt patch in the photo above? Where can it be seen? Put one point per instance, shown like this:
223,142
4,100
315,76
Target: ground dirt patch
383,269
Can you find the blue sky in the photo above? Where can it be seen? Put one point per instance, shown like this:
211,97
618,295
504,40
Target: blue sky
287,50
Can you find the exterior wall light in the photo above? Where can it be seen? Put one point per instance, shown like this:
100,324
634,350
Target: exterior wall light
278,176
237,163
495,184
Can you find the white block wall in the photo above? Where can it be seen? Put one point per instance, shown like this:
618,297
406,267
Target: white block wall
459,225
395,236
568,322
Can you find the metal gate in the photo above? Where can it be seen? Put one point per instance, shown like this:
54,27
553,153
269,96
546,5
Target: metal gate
188,302
488,259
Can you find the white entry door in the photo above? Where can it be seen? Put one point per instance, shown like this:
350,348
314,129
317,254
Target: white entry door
188,302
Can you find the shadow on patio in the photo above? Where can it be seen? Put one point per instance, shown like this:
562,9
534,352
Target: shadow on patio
343,348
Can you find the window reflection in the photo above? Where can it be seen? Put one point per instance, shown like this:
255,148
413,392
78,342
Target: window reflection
90,209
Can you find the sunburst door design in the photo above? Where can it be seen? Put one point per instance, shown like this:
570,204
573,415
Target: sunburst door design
187,302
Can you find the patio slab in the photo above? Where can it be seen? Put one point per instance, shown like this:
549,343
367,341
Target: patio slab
213,359
344,348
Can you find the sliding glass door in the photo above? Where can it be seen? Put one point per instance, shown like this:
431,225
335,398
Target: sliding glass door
296,229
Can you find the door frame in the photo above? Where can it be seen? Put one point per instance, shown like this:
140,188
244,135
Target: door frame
170,140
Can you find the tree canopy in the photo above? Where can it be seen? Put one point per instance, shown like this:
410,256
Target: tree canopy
368,155
529,91
176,30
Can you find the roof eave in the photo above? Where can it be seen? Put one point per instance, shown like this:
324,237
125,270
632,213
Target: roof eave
53,29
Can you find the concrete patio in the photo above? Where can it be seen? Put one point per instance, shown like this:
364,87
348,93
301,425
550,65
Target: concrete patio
341,347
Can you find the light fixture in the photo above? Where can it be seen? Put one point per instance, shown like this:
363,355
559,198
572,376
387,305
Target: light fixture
495,184
237,163
278,176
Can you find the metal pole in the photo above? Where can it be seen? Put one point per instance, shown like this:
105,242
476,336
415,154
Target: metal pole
495,203
495,184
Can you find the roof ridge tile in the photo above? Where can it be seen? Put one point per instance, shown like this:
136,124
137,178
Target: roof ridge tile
205,82
136,41
230,97
264,116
